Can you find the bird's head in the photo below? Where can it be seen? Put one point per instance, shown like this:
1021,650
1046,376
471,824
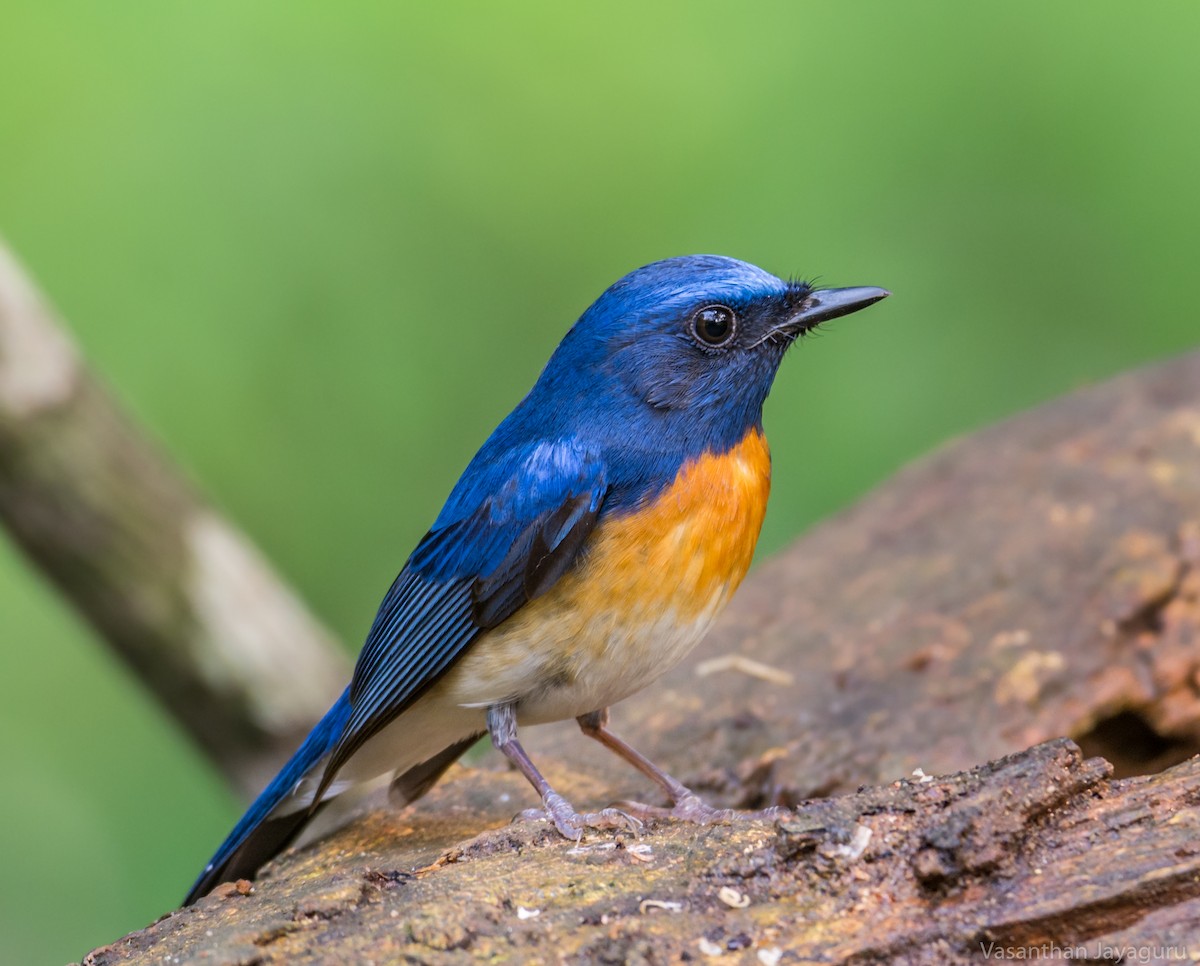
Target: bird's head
689,346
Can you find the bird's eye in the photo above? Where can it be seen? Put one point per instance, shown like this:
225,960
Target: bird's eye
714,325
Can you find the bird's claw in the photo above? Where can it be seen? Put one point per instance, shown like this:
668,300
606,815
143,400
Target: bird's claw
571,824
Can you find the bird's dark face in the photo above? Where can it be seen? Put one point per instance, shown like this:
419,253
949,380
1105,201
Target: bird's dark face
691,345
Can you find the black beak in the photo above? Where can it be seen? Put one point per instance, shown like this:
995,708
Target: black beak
830,303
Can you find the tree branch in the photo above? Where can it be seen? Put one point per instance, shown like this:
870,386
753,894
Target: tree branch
177,591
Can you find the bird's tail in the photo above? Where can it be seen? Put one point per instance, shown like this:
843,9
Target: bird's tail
278,814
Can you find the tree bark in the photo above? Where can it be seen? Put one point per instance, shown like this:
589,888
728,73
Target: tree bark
1035,580
1032,851
175,589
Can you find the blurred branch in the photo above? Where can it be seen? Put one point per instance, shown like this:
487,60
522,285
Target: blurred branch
174,588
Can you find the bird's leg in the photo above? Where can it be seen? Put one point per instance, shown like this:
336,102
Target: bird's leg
502,726
686,805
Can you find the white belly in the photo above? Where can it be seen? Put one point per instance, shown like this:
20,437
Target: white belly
615,662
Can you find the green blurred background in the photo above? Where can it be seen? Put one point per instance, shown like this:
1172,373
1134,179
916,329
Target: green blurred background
321,248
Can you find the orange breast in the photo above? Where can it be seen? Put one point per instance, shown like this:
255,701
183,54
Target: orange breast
694,541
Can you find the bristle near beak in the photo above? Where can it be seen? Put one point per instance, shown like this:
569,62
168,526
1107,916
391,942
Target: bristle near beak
831,303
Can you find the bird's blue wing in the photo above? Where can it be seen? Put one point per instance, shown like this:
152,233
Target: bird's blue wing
511,528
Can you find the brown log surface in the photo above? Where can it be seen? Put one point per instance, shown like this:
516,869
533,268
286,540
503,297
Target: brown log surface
1030,850
1034,580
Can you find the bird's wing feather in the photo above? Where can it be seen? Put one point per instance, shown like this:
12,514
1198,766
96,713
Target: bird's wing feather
506,535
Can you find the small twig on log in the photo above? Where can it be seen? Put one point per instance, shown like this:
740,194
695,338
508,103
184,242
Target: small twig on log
176,590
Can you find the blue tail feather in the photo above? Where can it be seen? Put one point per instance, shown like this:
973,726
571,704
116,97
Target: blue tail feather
258,835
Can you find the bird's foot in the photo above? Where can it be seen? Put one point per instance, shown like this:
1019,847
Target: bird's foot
690,807
571,823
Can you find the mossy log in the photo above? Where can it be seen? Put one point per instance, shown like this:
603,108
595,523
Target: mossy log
1034,583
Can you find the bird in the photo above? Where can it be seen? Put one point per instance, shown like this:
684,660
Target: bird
586,548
